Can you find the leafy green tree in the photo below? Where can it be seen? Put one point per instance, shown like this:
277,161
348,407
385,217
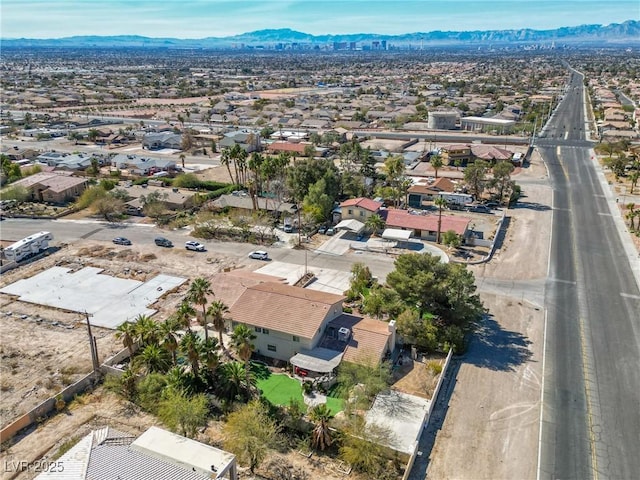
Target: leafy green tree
320,415
394,170
362,447
446,290
418,331
363,381
198,292
186,180
374,224
475,176
451,239
307,171
381,301
183,414
502,178
108,207
149,391
317,203
250,433
93,135
15,192
10,171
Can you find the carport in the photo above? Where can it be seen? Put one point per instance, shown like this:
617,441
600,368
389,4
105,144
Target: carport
319,361
396,235
351,225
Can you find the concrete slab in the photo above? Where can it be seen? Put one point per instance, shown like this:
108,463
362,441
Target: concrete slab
336,245
403,415
111,301
327,280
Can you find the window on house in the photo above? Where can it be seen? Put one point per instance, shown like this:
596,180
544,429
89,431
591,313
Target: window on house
265,331
296,339
271,348
257,329
350,212
361,213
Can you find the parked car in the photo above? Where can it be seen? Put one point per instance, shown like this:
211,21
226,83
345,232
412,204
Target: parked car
193,245
479,209
163,242
288,229
121,241
330,231
492,205
322,230
259,255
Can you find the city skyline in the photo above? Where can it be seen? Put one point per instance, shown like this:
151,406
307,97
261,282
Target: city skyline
219,18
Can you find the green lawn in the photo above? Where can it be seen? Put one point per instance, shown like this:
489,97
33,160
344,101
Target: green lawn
280,389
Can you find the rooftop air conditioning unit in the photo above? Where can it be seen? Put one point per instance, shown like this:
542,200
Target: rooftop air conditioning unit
344,334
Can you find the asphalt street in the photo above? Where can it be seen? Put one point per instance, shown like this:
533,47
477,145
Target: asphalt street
590,424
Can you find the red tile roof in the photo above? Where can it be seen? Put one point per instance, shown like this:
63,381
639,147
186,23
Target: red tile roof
229,286
402,219
489,152
364,203
284,308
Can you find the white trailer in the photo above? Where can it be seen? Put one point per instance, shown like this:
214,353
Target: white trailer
29,246
456,198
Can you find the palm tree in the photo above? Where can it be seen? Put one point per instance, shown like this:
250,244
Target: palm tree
242,341
126,331
226,159
153,359
184,314
320,415
191,346
182,157
374,223
198,292
93,135
232,381
440,202
631,215
209,354
169,340
217,311
147,331
436,163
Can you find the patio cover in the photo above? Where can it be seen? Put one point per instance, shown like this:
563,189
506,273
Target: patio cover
321,360
352,225
396,234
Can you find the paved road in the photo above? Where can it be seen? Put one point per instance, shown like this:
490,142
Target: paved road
71,231
591,418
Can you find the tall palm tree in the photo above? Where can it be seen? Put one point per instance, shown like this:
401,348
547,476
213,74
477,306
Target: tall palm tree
209,354
232,381
184,314
147,331
127,332
320,415
440,202
436,163
242,341
168,330
226,160
153,359
374,223
217,311
191,346
198,292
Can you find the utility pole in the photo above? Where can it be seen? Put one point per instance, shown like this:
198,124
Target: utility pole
93,346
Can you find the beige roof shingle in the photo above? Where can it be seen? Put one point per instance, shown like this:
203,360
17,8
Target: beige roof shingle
284,308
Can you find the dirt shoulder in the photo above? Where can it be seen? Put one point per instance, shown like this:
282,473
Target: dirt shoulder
491,427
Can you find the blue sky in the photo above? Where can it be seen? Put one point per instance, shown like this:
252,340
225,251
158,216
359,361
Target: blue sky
205,18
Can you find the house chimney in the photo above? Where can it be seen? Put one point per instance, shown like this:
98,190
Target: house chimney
392,329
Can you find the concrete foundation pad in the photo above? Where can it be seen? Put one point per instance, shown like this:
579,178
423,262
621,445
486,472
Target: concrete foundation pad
109,300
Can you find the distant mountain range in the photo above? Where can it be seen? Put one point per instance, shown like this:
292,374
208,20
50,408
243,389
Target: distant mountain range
617,33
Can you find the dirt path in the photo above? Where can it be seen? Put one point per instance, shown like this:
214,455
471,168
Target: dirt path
491,427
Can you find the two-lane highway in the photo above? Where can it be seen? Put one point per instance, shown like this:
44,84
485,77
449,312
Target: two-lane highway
590,424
